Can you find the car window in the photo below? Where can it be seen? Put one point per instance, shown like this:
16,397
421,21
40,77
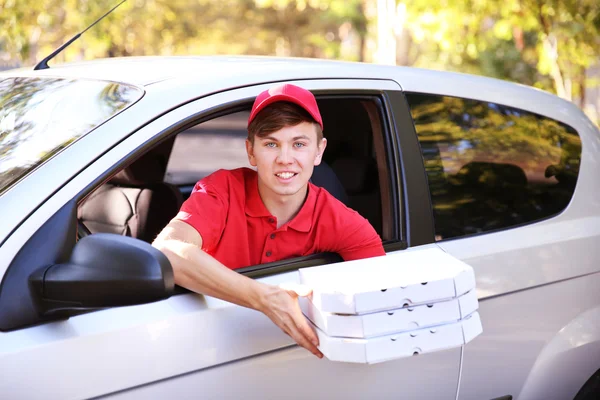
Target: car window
41,116
350,163
207,147
491,166
149,191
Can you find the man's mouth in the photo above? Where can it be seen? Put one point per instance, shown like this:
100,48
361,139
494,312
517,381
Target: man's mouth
286,175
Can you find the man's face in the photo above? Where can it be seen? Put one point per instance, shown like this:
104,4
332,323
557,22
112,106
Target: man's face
285,159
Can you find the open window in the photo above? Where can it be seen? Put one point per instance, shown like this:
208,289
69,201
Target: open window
143,196
140,195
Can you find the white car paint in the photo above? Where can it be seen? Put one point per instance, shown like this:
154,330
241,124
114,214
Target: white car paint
537,284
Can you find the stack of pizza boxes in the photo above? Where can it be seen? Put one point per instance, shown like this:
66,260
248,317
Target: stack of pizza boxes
394,306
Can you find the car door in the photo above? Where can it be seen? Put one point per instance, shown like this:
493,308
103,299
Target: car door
511,209
191,346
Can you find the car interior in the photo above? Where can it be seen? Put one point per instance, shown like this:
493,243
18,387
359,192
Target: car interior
142,197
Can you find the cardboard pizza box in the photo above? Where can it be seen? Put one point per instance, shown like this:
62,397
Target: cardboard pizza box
399,345
390,321
397,280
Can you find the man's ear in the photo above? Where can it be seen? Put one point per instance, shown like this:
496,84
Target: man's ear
250,152
320,151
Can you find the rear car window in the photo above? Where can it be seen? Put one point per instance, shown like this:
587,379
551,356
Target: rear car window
491,166
41,116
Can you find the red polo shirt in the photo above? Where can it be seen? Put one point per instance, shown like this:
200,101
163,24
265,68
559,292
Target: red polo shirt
238,230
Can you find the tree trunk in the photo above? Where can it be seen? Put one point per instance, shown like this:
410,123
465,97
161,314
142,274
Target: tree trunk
361,29
551,47
386,39
582,87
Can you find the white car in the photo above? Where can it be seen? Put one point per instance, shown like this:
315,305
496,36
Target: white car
498,175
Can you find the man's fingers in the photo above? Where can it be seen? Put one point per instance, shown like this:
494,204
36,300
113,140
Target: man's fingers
305,328
303,325
285,312
303,341
308,334
292,329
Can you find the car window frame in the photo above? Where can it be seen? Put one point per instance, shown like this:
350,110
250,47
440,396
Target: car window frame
388,131
512,107
154,130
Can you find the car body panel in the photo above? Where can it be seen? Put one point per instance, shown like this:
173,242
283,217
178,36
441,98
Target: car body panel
557,256
542,343
574,348
554,254
120,348
270,374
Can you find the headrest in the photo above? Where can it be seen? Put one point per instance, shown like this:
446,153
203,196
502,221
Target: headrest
489,174
352,173
149,168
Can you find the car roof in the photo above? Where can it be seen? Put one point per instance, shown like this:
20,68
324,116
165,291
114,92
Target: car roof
144,71
202,73
148,70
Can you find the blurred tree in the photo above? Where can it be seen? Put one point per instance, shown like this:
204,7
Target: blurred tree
310,28
549,44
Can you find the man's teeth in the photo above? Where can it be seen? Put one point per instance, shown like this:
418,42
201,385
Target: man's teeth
286,175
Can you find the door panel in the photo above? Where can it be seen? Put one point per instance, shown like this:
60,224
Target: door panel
191,342
293,373
545,342
116,349
529,296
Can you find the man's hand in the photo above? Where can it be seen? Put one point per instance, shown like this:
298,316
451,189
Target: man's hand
280,304
199,272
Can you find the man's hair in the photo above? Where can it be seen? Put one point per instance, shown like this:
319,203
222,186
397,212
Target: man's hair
277,116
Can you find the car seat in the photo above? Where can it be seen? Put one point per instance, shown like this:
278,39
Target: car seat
136,202
323,176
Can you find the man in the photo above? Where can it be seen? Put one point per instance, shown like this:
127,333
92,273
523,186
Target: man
241,217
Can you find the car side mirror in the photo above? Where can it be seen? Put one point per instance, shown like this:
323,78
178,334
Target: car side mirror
104,270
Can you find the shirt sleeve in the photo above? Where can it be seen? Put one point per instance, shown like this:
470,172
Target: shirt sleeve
361,240
206,210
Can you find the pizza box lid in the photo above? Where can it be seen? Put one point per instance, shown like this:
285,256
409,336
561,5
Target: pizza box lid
400,345
396,280
390,321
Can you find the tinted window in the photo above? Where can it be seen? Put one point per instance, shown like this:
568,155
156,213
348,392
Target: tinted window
41,116
491,166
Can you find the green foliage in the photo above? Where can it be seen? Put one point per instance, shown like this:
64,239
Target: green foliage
176,27
548,44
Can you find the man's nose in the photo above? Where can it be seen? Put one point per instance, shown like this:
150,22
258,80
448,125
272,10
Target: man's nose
284,156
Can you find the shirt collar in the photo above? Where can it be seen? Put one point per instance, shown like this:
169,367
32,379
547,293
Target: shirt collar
302,222
254,204
255,207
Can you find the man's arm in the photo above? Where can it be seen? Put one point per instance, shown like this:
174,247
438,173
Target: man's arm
199,272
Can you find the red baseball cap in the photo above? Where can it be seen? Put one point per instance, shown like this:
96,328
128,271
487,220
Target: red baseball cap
293,94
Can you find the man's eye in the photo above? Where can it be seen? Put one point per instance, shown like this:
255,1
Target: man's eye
270,144
299,145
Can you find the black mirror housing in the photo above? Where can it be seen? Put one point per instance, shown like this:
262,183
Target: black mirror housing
104,270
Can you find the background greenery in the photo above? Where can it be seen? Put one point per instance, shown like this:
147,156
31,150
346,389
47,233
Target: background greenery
550,44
